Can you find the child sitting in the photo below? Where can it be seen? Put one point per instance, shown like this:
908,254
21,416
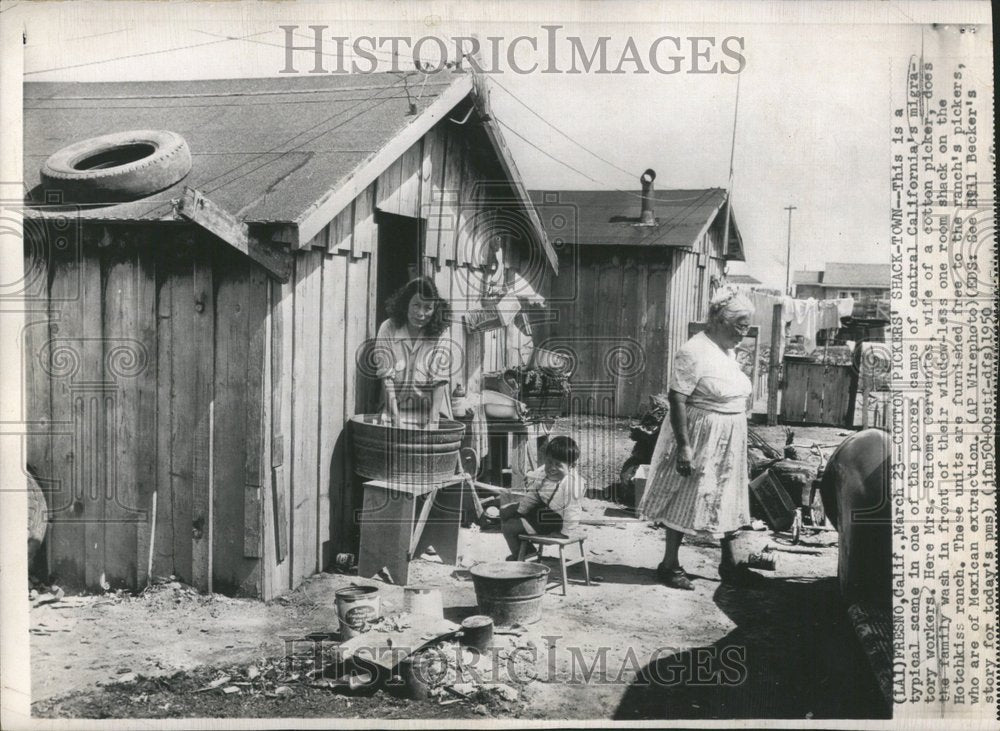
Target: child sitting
553,502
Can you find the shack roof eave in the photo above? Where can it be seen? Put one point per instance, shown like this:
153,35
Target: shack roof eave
264,149
521,193
287,154
611,218
336,198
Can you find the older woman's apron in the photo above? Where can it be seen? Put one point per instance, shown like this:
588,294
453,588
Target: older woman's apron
714,499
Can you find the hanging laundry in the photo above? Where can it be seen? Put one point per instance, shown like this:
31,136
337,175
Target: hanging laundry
829,315
764,313
805,322
479,428
845,306
508,308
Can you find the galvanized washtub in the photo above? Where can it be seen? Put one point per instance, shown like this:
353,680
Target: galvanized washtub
510,592
405,455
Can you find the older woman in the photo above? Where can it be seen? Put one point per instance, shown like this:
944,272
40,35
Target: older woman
413,356
698,475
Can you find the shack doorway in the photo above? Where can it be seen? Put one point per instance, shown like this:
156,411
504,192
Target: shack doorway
399,249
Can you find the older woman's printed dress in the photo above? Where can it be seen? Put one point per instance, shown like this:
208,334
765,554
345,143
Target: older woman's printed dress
714,499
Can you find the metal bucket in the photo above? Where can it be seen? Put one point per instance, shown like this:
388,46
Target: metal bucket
510,592
357,607
407,456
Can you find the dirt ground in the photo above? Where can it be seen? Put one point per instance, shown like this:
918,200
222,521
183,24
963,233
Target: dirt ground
625,648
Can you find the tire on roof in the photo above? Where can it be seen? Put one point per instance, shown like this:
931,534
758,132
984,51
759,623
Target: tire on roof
117,167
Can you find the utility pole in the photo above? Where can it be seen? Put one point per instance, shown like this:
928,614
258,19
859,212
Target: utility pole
788,253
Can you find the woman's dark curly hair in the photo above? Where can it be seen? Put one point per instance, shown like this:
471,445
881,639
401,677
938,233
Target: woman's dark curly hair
399,302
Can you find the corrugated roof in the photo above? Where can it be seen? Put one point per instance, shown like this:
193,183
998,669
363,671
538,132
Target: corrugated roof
263,149
846,274
742,279
609,217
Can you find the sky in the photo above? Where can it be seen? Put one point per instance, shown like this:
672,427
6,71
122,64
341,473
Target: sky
811,126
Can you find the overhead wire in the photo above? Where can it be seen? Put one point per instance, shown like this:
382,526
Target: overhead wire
732,155
277,152
376,97
378,102
694,201
547,153
605,184
562,133
142,55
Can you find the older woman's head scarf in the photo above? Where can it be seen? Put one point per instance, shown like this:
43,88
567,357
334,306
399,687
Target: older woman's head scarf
727,305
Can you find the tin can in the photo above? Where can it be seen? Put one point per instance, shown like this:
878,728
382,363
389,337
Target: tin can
357,608
765,561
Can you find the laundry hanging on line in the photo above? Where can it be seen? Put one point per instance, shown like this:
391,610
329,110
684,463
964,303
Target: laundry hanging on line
764,311
829,315
807,316
805,322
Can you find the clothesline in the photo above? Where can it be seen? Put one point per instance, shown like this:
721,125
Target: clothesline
806,316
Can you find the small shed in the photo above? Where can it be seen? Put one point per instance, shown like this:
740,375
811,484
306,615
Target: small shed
193,356
635,269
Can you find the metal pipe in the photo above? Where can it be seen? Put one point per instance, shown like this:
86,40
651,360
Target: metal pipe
646,218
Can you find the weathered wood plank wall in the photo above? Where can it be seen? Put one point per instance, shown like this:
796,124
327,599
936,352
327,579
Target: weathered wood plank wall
612,309
241,293
815,393
142,337
691,285
624,312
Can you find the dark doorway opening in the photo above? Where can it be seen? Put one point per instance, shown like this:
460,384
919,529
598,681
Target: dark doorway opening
399,248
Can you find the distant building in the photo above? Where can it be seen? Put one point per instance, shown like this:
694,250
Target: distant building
840,279
868,284
743,282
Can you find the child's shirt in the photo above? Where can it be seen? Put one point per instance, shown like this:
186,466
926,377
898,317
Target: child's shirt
564,497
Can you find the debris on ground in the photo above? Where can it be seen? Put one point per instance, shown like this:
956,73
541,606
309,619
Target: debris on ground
281,655
492,682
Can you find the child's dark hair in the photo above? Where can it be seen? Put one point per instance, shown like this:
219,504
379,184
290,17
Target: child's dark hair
563,449
400,301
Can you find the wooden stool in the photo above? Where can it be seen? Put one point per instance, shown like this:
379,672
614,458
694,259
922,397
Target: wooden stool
541,541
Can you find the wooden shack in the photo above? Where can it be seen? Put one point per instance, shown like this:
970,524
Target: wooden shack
192,357
635,269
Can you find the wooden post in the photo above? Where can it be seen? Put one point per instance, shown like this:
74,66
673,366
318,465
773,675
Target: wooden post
855,383
777,333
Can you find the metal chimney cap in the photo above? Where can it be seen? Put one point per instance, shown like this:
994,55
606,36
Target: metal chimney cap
649,176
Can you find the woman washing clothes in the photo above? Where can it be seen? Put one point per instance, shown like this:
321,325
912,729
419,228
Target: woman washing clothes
413,357
698,477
